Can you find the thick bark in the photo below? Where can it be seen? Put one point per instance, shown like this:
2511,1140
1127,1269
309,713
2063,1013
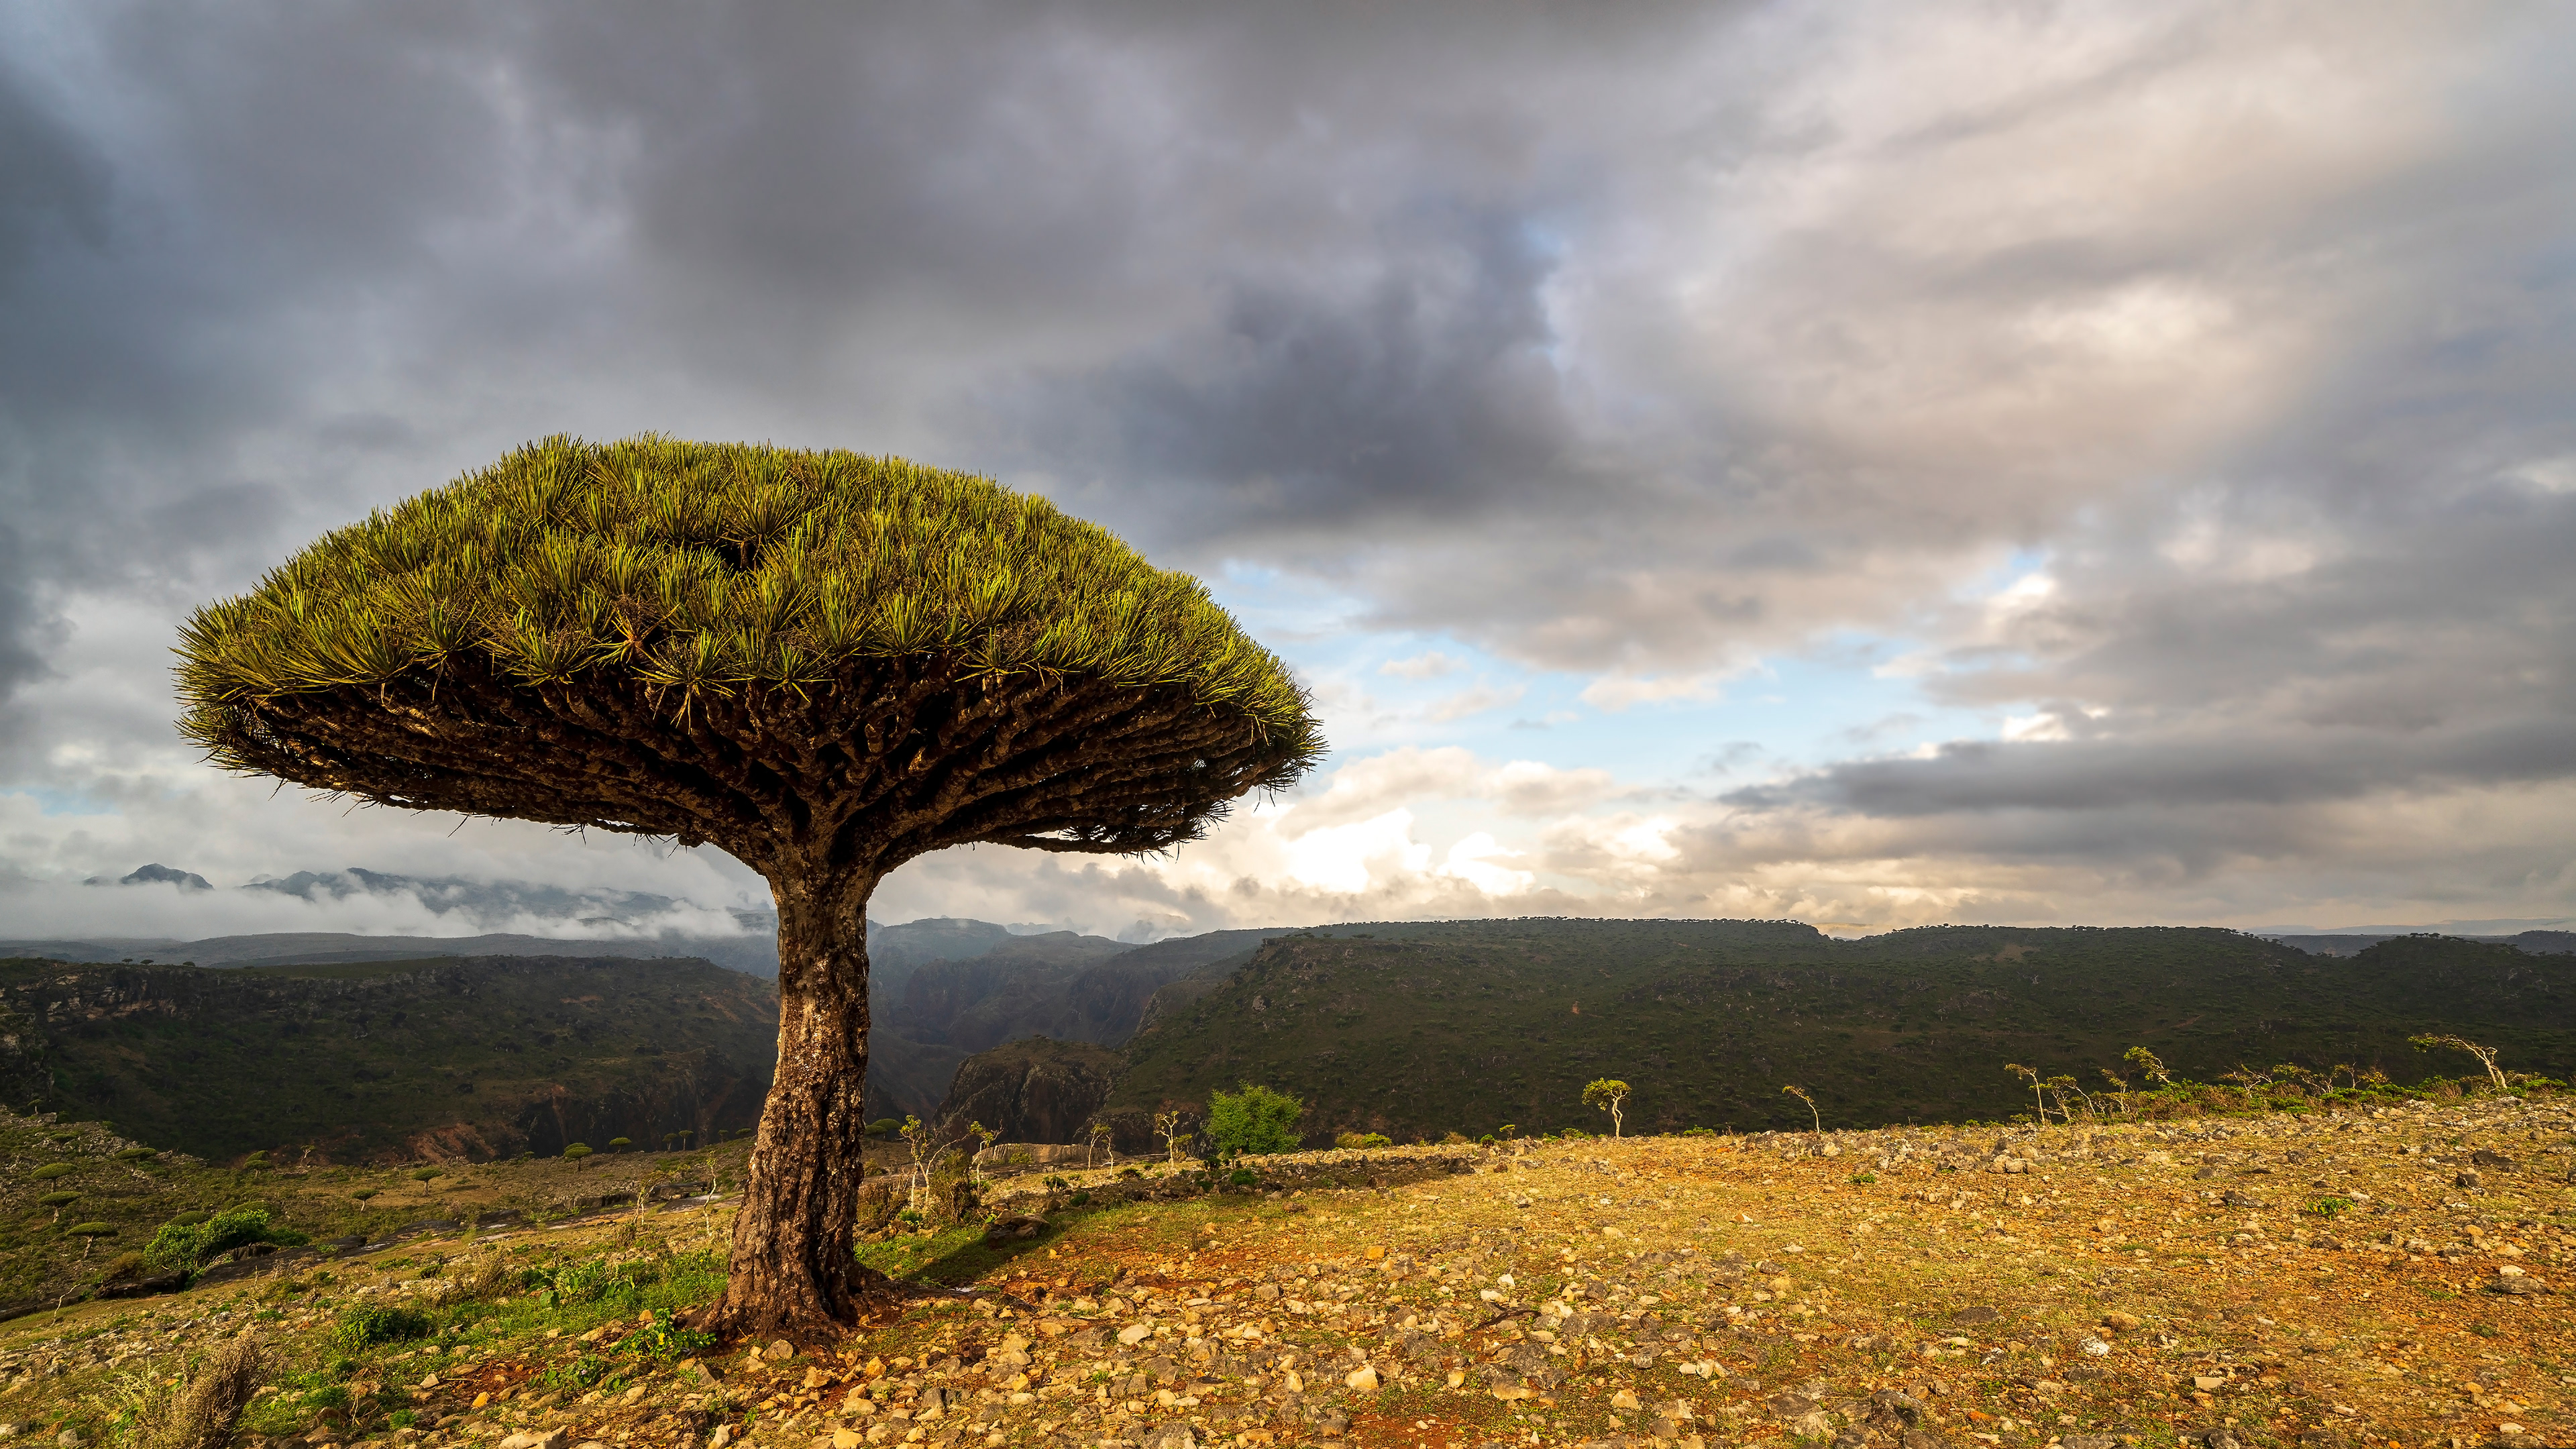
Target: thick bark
792,1270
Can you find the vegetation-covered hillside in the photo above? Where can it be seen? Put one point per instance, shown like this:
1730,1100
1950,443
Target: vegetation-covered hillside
1419,1030
390,1060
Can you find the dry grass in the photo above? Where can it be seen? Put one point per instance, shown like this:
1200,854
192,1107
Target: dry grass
207,1408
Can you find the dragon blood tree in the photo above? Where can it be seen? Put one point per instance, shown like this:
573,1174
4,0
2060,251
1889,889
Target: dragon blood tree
822,663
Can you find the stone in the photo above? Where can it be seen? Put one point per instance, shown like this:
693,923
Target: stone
1363,1378
2119,1322
2090,1441
847,1439
548,1439
1135,1333
717,1440
779,1352
2219,1438
2495,1161
1625,1399
1975,1313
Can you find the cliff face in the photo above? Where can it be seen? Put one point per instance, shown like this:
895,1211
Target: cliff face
1035,1090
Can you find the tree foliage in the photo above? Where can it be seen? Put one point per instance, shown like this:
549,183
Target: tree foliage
839,624
1254,1120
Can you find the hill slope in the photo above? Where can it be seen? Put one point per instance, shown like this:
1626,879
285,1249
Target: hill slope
1465,1025
440,1057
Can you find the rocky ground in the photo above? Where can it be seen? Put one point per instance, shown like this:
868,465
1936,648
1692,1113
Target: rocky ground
2394,1274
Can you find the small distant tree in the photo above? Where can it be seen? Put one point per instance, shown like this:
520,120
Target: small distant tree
1254,1120
619,1144
1170,1127
59,1199
575,1153
983,1136
2486,1055
2062,1087
2031,1079
918,1138
1801,1094
1607,1094
2120,1082
2247,1080
89,1234
1104,1141
2146,1061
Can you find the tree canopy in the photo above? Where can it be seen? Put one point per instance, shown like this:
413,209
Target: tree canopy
750,645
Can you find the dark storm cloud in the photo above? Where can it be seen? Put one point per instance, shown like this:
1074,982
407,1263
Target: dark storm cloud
1640,345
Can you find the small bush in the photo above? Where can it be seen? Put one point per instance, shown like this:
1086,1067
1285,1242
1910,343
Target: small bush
1254,1120
666,1340
186,1247
188,1219
2328,1207
1359,1141
125,1267
51,1170
1243,1177
381,1323
134,1154
575,1374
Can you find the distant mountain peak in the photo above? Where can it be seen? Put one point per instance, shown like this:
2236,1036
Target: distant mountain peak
186,880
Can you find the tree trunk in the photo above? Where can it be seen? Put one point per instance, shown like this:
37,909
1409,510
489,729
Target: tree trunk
792,1270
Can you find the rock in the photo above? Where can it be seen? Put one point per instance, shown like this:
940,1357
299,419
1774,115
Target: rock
2209,1383
1035,1092
2090,1441
1625,1399
847,1439
2207,1171
2119,1322
1135,1333
2219,1438
2324,1436
2496,1161
779,1352
1975,1313
717,1440
549,1439
1363,1378
2465,1179
1013,1230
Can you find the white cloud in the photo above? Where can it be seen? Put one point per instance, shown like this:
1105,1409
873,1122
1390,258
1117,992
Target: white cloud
1429,665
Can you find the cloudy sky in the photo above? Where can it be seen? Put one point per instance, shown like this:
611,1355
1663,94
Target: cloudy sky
1866,463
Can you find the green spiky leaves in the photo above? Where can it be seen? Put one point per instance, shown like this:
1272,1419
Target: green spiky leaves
552,616
704,568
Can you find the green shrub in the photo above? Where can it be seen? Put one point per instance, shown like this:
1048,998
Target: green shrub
186,1247
619,1144
1356,1141
51,1170
666,1340
576,1152
2327,1207
189,1219
91,1230
377,1323
1244,1177
134,1154
1254,1120
573,1374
